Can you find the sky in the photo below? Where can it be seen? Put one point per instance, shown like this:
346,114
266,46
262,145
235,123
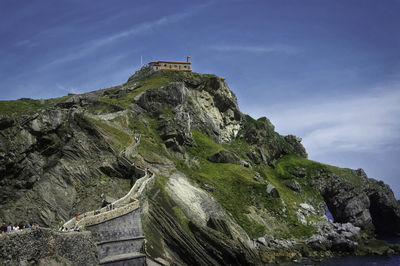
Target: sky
327,71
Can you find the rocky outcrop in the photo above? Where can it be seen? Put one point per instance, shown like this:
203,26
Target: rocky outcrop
47,247
207,105
224,156
293,185
209,246
384,208
74,156
269,145
5,122
295,142
53,160
335,236
368,204
272,191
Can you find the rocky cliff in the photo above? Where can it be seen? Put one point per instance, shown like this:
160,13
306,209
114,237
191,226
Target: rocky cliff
228,188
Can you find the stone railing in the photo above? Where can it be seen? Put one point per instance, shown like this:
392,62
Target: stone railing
131,194
108,214
129,197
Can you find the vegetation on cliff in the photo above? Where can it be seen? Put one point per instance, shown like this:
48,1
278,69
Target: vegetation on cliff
220,174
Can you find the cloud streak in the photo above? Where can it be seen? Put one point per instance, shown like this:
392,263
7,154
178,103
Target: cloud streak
138,29
280,48
369,123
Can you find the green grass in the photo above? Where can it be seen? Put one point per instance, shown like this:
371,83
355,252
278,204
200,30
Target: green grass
154,81
286,163
234,186
118,139
28,106
236,190
101,108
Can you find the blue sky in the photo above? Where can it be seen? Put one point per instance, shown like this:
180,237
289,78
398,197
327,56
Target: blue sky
325,70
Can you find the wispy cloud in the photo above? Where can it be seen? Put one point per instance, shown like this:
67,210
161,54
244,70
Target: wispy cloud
365,123
136,30
278,48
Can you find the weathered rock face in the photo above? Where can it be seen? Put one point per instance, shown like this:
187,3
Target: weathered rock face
335,236
207,105
269,145
50,162
384,208
71,158
370,205
293,185
213,238
47,247
272,191
224,157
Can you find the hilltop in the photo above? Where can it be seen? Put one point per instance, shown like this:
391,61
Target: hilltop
228,189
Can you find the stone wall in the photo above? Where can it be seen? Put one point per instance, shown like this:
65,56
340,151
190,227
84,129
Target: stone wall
123,227
172,66
99,218
47,247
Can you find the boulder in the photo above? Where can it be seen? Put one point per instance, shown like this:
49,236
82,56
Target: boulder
295,142
299,172
257,177
293,185
209,187
224,156
5,122
272,191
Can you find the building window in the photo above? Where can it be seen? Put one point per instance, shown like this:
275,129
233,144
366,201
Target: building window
165,64
184,66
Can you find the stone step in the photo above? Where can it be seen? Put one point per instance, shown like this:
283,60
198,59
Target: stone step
134,258
117,247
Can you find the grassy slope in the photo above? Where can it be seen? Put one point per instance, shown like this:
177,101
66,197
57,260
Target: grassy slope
155,81
236,190
28,106
234,186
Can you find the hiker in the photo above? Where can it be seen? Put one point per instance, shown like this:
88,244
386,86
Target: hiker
21,225
77,218
28,225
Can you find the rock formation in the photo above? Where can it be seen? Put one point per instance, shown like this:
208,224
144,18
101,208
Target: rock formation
228,188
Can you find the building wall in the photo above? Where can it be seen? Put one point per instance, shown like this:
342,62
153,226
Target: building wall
172,66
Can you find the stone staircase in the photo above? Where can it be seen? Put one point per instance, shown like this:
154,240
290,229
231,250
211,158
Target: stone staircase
119,230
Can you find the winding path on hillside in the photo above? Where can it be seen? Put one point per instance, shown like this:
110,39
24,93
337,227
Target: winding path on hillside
119,230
